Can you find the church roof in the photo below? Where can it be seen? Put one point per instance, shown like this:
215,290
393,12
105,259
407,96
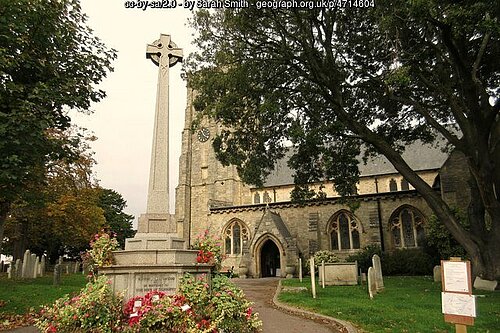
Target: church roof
419,157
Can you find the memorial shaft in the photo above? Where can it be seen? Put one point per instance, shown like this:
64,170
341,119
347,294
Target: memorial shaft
164,53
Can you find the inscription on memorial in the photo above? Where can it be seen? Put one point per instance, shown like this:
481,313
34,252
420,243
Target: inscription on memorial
166,282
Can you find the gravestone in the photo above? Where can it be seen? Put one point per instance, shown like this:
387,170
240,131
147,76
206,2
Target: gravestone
484,284
26,262
157,256
339,273
76,269
33,269
372,284
9,271
377,267
1,266
57,274
42,265
436,273
18,269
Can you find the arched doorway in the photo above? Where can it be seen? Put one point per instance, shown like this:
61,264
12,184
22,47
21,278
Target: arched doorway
269,259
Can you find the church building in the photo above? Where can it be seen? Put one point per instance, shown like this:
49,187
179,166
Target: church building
263,231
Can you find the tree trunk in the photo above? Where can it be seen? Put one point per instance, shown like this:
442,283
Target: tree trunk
4,210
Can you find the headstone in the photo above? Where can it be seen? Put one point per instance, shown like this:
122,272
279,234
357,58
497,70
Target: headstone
67,268
300,269
1,266
33,266
42,265
313,277
377,267
18,269
9,271
60,260
484,284
57,274
77,267
436,273
372,285
26,261
323,275
363,277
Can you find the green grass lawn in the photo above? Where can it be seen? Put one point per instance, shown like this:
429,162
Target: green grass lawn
408,304
18,296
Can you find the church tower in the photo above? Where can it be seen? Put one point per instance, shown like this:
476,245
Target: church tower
203,181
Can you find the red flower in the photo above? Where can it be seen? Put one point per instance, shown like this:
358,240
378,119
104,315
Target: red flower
249,313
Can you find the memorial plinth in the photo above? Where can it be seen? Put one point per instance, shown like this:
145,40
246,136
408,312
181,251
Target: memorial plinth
136,272
157,257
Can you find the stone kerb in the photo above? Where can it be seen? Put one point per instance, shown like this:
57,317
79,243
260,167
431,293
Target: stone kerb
377,267
372,285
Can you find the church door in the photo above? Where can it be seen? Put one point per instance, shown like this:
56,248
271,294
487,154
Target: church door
269,259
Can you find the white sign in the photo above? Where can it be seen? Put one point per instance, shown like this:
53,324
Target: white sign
456,278
458,304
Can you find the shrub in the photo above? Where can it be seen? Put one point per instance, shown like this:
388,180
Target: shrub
101,250
209,250
407,262
440,241
326,256
94,309
364,257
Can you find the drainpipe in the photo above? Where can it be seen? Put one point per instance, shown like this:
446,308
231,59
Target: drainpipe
379,214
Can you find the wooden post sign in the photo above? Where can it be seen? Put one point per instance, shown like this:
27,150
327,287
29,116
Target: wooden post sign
458,303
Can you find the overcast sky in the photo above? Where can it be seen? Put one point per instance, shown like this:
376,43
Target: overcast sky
123,121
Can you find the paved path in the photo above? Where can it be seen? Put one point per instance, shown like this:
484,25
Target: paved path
261,293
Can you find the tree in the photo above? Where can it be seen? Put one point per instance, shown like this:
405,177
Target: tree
330,80
60,216
117,220
49,62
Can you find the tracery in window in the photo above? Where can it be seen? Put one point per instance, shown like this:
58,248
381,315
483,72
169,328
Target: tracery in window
267,197
407,228
393,186
256,198
235,234
404,185
344,232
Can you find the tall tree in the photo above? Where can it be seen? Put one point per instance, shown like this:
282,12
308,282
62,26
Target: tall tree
49,62
117,220
331,79
60,216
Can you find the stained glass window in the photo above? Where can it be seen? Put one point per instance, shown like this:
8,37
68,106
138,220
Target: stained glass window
344,233
235,235
407,228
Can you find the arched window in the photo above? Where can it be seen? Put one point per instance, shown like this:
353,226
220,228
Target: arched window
235,234
404,185
393,186
256,198
267,197
407,228
344,232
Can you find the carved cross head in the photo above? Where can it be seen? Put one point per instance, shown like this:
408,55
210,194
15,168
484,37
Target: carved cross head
164,50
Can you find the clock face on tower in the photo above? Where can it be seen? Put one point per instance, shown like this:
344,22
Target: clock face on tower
203,134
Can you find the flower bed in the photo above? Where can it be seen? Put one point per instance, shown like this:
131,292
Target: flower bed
197,307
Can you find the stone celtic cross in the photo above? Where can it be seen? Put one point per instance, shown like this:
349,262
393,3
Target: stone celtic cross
165,54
